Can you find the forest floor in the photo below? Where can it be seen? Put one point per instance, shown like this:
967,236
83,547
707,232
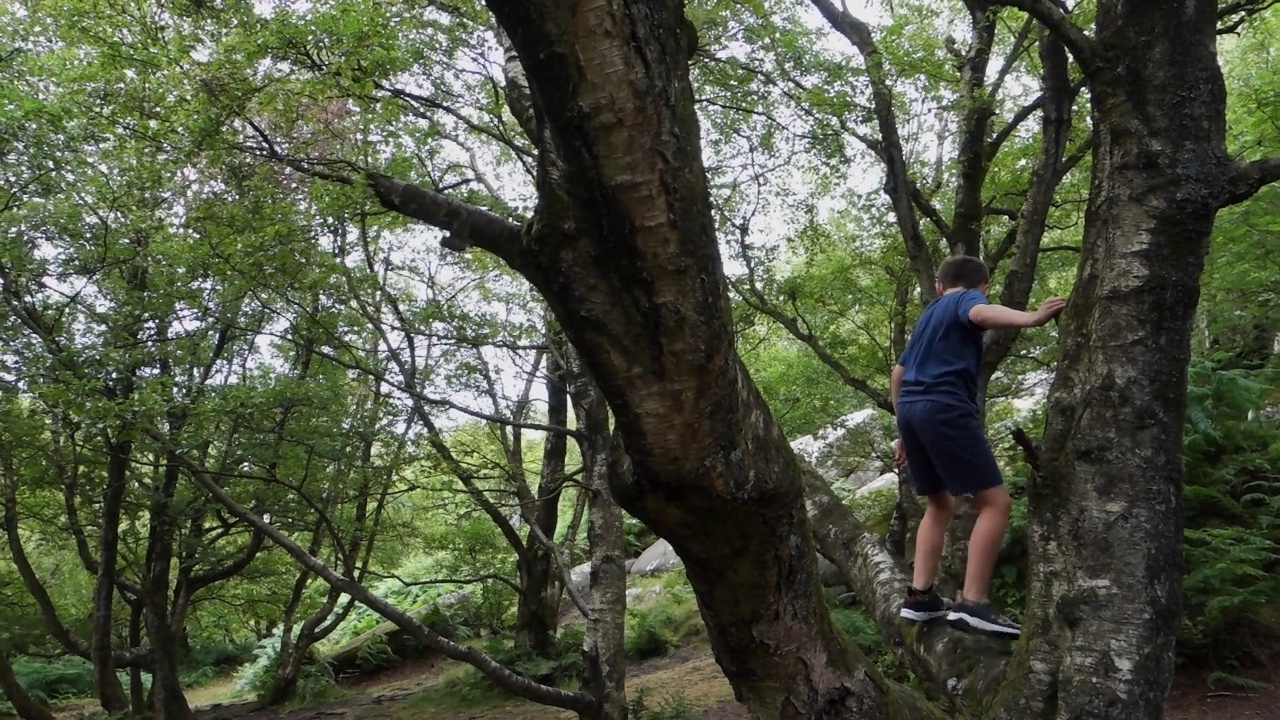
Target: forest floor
434,689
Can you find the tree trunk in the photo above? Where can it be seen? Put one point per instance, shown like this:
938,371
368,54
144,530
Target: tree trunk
137,690
294,652
167,698
624,250
23,704
537,607
907,514
285,678
1105,511
110,691
605,668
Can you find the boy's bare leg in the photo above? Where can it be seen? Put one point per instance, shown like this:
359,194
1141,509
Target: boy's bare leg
984,544
930,538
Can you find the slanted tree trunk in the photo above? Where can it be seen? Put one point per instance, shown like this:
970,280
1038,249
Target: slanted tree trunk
23,704
623,247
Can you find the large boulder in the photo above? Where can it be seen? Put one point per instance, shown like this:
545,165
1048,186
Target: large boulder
850,452
659,558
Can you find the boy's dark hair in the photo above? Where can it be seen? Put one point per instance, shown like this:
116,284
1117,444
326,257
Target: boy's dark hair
963,271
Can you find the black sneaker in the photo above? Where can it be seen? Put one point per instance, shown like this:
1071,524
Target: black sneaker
981,617
923,606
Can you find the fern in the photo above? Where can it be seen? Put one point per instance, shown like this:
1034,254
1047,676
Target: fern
1218,677
1231,508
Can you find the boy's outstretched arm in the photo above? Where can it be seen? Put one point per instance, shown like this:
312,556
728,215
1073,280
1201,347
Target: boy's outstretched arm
999,317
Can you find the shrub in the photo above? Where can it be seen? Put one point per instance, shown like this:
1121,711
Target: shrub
48,681
648,633
668,707
315,679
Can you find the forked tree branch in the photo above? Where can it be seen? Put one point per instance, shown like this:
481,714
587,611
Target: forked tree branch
1235,14
1077,41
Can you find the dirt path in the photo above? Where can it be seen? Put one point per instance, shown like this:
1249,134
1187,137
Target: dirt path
414,691
1193,699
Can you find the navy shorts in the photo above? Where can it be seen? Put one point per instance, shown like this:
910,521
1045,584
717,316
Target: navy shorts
946,448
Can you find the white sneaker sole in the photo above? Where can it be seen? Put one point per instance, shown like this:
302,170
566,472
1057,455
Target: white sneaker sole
978,623
918,616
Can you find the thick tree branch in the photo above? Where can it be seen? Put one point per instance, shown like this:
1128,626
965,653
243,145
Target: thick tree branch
1235,14
1247,179
230,569
898,183
972,158
1076,40
1046,175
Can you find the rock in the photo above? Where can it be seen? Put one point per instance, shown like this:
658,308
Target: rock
860,479
829,573
850,452
580,576
885,481
658,558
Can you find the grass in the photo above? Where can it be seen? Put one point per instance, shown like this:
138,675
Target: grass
215,692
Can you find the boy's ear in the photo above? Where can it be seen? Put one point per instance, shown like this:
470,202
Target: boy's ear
938,289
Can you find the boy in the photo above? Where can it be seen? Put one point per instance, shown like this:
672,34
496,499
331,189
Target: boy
934,391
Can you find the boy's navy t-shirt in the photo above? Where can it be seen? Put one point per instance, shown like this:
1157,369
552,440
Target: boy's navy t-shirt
945,351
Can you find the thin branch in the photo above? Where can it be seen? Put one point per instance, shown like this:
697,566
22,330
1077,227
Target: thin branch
563,566
501,676
757,301
1020,45
1240,12
467,224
